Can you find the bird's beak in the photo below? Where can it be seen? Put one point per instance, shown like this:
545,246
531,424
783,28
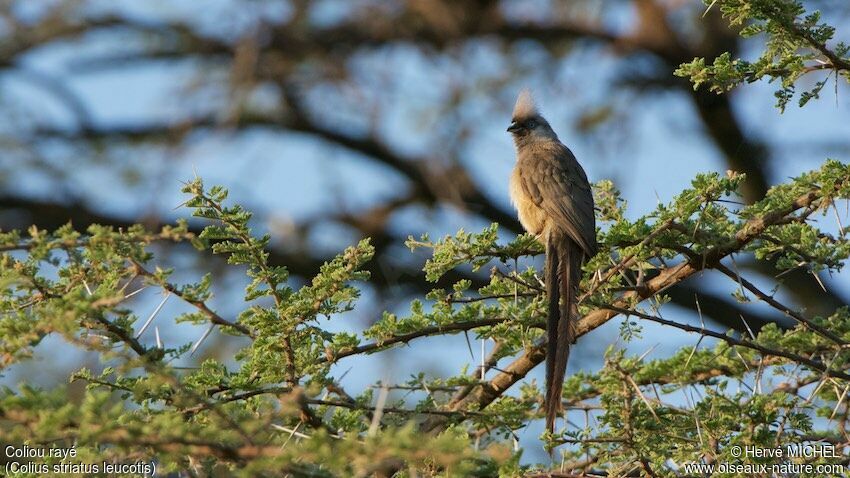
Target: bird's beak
514,127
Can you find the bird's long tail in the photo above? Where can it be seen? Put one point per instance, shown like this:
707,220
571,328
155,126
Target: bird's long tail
563,275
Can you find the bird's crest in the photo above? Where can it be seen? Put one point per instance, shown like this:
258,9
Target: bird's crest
525,106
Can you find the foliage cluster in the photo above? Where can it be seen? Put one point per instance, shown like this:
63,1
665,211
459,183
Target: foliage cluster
796,45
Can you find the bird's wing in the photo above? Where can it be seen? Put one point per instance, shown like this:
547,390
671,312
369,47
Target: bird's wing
557,183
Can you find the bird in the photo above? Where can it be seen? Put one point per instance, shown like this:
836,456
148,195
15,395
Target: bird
554,202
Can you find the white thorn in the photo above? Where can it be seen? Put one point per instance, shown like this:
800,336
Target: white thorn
291,431
201,340
379,410
131,294
838,405
752,335
820,283
153,315
647,352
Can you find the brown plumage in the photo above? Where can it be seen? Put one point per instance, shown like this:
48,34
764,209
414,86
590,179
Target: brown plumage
554,201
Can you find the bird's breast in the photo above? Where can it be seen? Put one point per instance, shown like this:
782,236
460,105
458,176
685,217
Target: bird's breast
531,216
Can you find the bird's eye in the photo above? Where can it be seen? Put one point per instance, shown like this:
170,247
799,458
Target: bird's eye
530,124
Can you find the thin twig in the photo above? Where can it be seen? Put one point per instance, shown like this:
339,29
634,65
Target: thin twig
198,304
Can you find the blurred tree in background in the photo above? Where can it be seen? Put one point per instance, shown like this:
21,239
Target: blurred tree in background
402,87
405,88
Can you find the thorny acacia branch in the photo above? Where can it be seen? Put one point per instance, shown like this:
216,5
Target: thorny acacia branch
486,393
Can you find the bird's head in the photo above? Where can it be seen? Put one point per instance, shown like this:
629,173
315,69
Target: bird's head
527,124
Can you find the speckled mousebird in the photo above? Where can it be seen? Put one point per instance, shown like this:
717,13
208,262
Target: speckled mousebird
554,202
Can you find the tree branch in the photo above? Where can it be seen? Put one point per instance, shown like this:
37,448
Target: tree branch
485,393
200,305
